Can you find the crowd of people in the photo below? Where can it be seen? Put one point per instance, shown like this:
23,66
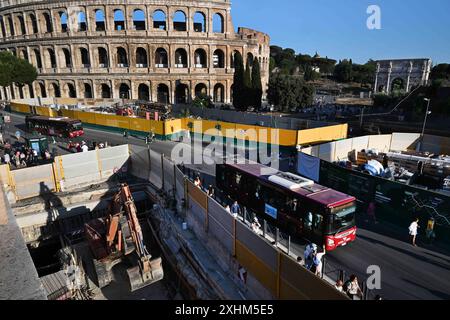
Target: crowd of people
76,147
22,156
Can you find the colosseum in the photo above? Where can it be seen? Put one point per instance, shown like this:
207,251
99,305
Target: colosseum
155,50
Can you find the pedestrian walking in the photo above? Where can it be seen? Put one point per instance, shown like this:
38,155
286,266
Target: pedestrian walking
211,192
413,230
235,209
228,209
256,226
309,250
352,288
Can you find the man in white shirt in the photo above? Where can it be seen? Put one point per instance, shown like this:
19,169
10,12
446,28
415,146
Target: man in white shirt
84,148
413,231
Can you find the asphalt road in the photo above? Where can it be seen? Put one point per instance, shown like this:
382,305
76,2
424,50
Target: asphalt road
407,272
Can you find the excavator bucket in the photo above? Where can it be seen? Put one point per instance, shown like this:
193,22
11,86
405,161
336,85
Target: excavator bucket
149,272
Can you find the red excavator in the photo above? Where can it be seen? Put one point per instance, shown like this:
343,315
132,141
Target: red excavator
119,236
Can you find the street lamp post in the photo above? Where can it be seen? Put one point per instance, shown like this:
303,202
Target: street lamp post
425,122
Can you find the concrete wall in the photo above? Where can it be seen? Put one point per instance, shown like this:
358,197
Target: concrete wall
66,172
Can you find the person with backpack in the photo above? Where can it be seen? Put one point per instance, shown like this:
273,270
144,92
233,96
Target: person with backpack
310,248
316,262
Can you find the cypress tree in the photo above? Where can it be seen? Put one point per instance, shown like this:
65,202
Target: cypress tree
238,81
256,84
248,92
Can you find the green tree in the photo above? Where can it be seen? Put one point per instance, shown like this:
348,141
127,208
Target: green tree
343,71
238,82
310,74
202,100
256,84
14,70
248,92
287,92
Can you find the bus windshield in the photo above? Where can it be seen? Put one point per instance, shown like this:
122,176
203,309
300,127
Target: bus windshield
342,218
77,126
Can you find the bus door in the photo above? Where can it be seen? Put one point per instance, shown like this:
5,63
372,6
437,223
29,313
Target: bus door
313,225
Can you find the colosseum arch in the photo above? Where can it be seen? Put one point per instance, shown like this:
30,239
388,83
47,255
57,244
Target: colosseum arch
21,25
159,18
199,20
63,21
201,89
23,54
250,59
50,58
181,58
11,29
218,23
46,23
124,91
2,28
179,20
42,90
54,89
69,89
119,20
99,17
105,91
87,90
163,93
84,57
219,93
37,58
103,59
182,93
161,58
65,58
139,20
141,58
218,59
33,23
200,58
122,57
144,92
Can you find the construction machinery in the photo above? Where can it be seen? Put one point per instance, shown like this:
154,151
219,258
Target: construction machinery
119,237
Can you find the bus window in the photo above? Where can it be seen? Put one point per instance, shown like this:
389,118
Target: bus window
309,221
318,222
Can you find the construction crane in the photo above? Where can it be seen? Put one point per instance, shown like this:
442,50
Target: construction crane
119,236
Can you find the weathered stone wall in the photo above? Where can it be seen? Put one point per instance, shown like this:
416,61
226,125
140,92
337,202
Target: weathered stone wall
128,53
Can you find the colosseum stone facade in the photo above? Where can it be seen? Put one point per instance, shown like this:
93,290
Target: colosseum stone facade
156,50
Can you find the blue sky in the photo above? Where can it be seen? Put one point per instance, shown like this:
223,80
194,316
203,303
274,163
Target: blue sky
337,28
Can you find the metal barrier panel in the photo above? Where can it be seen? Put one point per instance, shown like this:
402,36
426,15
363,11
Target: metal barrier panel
34,181
360,143
179,183
343,147
197,212
298,283
113,158
326,151
253,264
220,224
140,165
380,142
155,169
265,252
217,212
197,195
82,167
169,184
403,141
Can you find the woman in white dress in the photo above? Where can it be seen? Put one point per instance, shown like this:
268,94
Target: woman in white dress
413,231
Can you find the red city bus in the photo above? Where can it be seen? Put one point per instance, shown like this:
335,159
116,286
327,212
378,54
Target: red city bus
293,203
59,127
